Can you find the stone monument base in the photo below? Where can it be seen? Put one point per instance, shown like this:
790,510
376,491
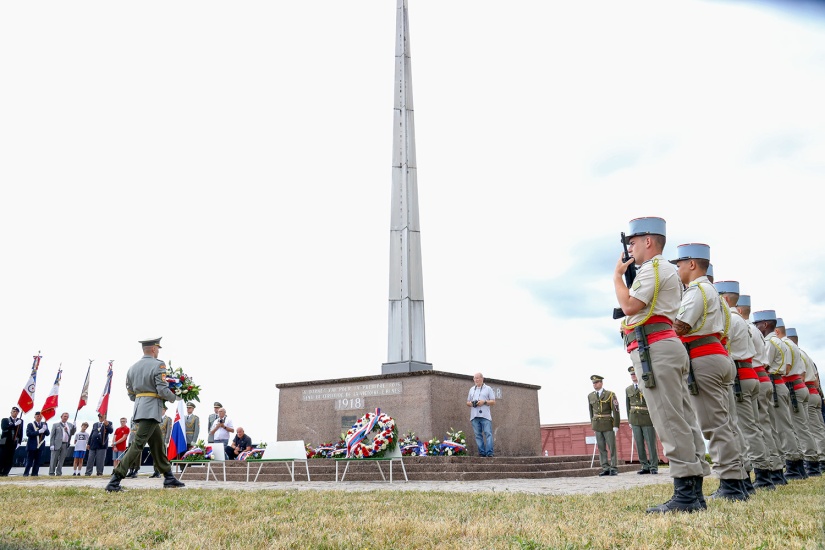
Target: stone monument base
427,402
404,366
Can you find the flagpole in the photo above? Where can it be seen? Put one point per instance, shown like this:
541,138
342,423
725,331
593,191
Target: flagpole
88,371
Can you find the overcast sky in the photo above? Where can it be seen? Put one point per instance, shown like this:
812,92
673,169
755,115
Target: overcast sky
219,175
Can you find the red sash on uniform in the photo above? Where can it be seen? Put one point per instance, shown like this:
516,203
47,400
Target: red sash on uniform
746,373
779,380
714,348
761,373
798,383
653,337
812,388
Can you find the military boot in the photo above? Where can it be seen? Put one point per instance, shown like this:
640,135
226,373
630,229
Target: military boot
812,468
778,477
698,481
747,484
683,499
792,470
170,481
729,489
114,484
763,480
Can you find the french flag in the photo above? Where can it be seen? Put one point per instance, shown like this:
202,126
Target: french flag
50,405
177,443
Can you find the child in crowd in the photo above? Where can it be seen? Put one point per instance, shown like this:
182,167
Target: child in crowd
81,438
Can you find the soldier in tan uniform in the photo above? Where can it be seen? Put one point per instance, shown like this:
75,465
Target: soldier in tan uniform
650,305
644,434
147,387
815,420
778,356
604,419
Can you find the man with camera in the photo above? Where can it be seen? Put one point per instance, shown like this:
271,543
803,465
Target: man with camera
222,428
480,399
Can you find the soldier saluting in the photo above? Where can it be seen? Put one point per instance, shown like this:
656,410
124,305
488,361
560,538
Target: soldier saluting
604,419
147,387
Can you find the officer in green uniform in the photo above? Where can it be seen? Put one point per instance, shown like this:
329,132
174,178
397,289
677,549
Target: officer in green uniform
604,419
147,387
193,425
643,431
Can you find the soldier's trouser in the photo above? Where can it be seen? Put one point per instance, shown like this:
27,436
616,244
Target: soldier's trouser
148,431
740,441
768,423
788,442
605,441
816,423
671,411
714,377
58,458
648,458
747,415
807,445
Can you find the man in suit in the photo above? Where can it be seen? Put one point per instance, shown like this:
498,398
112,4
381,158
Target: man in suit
211,420
193,425
98,444
62,433
10,438
147,387
36,432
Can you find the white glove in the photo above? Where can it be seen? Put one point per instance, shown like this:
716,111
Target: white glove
51,447
43,429
615,430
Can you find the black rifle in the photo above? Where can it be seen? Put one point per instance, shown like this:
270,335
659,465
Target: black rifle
737,388
794,402
775,396
629,277
644,357
693,387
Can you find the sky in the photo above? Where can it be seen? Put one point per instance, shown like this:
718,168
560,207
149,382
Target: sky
219,175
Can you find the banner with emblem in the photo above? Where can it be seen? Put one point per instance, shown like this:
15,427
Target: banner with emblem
26,400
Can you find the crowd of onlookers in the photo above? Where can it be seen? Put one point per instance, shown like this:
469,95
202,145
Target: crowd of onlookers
92,442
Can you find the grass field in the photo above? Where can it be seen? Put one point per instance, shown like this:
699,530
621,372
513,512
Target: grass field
81,517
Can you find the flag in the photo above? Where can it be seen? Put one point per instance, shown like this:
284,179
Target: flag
51,401
26,400
103,404
177,443
84,395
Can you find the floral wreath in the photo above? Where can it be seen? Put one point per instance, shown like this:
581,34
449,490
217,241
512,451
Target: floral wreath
358,446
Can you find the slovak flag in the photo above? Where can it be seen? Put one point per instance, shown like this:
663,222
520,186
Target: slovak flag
177,443
26,400
103,404
51,401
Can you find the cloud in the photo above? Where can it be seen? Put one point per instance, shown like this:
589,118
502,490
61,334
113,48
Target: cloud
778,147
616,160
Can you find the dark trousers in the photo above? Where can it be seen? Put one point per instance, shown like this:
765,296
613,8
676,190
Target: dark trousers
95,458
7,458
32,461
148,431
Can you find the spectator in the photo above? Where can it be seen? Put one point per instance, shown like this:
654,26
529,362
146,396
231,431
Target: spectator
62,433
222,427
98,444
10,438
36,433
241,443
480,399
119,443
81,439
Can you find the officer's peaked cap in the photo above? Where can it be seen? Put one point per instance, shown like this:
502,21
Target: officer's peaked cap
631,370
727,287
152,342
692,251
596,377
764,315
190,404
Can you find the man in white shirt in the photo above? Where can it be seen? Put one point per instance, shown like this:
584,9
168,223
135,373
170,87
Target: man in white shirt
222,427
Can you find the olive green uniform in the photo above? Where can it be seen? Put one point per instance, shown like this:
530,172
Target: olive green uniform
643,431
604,416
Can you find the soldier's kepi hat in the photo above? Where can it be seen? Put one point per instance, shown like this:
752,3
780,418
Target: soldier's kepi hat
190,404
744,300
646,226
764,315
780,323
631,370
727,287
692,251
596,378
153,342
790,332
709,272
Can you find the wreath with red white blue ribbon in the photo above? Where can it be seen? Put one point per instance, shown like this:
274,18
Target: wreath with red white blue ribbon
358,444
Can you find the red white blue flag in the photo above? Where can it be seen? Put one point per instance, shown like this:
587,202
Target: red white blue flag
50,405
103,404
26,400
84,394
177,443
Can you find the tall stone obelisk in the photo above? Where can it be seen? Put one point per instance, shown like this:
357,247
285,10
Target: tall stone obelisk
406,349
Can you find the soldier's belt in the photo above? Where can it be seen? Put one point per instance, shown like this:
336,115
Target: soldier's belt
156,396
704,341
635,408
602,416
743,365
648,330
777,378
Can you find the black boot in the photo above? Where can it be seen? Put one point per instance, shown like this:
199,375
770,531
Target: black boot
170,481
132,473
800,467
812,468
114,484
155,475
698,481
729,489
792,470
778,478
683,499
763,480
748,485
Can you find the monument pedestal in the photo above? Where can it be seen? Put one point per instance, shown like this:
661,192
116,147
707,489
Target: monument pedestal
427,402
405,366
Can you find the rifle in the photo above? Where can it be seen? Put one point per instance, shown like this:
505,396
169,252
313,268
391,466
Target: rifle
794,401
629,277
737,388
644,357
775,396
693,387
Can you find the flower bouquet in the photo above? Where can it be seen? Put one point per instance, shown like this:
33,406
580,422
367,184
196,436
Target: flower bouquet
358,446
434,447
411,445
455,444
254,454
182,384
310,451
200,451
